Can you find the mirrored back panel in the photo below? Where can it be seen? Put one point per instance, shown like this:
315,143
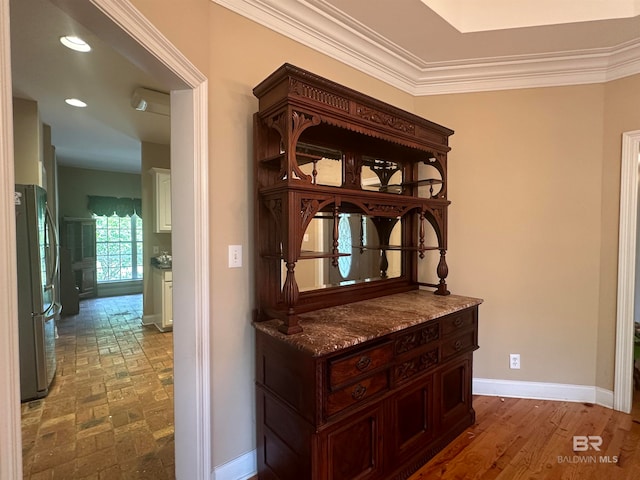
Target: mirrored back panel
365,252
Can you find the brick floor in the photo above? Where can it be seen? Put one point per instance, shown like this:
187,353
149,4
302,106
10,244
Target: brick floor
109,414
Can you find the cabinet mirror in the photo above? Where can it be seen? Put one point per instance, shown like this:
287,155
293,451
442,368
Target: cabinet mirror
380,175
368,248
323,165
431,184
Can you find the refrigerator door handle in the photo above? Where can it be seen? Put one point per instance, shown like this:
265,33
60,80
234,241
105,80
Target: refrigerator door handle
53,304
51,281
56,258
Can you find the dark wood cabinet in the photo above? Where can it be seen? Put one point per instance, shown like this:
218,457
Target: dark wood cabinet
376,410
79,237
350,196
363,358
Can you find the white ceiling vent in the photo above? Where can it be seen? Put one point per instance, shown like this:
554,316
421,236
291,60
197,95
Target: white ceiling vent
146,100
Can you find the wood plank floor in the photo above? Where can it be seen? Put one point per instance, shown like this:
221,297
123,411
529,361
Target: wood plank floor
533,439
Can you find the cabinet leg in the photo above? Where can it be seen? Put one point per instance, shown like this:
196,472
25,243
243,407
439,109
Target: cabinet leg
290,292
443,271
290,325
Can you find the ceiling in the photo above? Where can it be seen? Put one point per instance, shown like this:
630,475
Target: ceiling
105,135
402,42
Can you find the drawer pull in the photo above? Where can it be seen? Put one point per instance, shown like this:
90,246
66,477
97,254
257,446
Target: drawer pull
457,346
458,322
358,392
363,363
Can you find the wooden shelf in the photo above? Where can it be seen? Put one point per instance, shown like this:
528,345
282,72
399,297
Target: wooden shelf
395,247
307,254
398,188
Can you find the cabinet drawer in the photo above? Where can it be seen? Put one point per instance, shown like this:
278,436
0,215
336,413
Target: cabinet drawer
357,392
457,322
347,368
459,344
418,337
411,366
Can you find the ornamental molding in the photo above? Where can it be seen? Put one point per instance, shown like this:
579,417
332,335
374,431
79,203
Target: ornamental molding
320,26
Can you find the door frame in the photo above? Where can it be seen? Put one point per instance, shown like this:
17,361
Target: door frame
120,24
627,244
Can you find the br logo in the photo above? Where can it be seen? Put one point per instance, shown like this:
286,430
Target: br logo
582,443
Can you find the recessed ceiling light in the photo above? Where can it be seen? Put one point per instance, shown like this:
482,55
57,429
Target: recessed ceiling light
74,102
75,43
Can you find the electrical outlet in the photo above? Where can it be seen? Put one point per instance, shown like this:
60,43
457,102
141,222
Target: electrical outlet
235,256
514,361
156,249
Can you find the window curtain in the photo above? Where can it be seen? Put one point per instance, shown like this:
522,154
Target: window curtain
122,207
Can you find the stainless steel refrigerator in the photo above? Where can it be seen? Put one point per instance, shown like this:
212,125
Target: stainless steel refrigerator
38,297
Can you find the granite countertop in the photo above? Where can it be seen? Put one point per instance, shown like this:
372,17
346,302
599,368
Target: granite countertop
161,266
335,328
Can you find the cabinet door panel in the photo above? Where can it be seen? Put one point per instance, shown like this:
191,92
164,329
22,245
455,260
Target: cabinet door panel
162,199
413,413
455,393
355,450
284,440
88,280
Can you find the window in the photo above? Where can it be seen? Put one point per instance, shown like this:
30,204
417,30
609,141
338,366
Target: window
344,245
118,248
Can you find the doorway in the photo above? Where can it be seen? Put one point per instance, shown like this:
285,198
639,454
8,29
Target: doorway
119,24
627,245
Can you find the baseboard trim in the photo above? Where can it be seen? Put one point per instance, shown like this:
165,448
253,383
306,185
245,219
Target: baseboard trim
604,397
116,289
241,468
152,319
543,391
244,466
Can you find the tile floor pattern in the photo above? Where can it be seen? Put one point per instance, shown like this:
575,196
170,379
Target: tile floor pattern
109,414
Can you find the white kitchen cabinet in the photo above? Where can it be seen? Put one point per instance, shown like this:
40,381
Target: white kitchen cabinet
161,199
163,299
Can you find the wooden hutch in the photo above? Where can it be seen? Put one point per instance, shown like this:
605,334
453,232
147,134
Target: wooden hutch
361,371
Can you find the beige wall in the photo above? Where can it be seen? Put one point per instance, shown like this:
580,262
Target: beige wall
524,225
75,184
35,157
534,181
243,54
238,65
533,223
50,171
153,155
27,142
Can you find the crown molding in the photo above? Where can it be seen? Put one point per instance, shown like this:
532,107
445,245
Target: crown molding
320,26
307,24
531,71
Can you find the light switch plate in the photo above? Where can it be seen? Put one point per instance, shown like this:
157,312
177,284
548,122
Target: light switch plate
235,256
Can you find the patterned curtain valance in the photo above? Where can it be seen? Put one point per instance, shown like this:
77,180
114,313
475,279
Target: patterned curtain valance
122,207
